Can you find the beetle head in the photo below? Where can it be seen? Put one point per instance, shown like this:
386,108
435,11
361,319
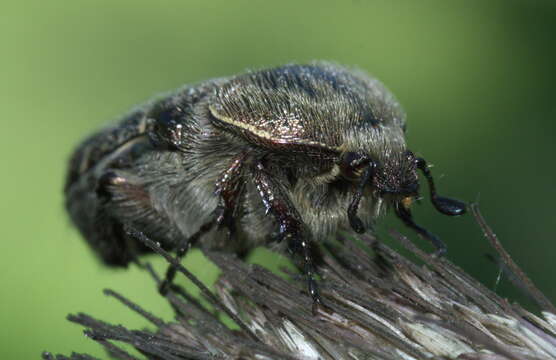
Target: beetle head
397,177
394,178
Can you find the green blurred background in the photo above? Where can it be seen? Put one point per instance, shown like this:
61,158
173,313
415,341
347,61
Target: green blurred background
476,78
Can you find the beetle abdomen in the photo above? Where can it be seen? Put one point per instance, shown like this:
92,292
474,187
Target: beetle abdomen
114,147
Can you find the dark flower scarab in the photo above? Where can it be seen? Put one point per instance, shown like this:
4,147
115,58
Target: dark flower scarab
297,151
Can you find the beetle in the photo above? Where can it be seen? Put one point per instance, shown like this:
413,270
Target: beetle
297,151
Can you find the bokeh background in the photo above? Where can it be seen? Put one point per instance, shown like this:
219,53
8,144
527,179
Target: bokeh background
476,78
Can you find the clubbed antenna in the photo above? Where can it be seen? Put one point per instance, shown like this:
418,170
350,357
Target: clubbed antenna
444,205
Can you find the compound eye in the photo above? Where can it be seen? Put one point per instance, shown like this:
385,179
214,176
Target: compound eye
352,164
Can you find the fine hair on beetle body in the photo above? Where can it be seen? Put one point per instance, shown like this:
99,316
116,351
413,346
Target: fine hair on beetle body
291,153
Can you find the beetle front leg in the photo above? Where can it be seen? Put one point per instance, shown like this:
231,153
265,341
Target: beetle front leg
291,225
404,214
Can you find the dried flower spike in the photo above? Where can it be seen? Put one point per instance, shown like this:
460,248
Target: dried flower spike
380,305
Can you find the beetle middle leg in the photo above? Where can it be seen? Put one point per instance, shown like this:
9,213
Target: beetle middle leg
228,189
291,225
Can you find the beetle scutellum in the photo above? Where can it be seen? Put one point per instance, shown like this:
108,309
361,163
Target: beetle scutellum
298,150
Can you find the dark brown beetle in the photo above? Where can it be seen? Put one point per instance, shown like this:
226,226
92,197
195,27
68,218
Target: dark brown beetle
298,150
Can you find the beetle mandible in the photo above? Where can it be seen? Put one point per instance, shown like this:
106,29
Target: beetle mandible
297,151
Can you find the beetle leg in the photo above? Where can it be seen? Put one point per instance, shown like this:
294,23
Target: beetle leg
354,221
291,225
228,189
405,215
180,253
